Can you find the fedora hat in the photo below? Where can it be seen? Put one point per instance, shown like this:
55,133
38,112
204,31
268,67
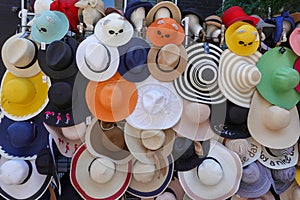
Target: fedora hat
24,98
271,125
158,105
168,62
282,179
19,179
58,59
135,4
199,82
147,181
217,177
98,177
133,60
111,100
238,77
236,13
108,143
96,61
49,26
23,61
278,78
194,122
294,41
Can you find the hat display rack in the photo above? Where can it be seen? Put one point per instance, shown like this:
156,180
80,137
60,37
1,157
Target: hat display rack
151,101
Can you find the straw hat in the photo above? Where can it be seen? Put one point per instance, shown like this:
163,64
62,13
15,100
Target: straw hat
282,179
294,40
266,196
292,193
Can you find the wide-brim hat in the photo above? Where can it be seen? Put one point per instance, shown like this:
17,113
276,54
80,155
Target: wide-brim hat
199,82
23,62
24,98
238,77
87,57
271,125
224,172
294,40
282,179
87,187
135,4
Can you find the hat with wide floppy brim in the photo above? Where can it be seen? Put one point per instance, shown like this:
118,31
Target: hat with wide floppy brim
282,179
96,61
198,83
168,62
24,98
271,125
135,4
19,179
98,177
294,40
217,177
238,77
278,78
23,61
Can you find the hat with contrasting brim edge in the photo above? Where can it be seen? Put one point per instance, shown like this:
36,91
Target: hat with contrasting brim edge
282,179
23,62
97,177
272,126
24,98
217,177
294,40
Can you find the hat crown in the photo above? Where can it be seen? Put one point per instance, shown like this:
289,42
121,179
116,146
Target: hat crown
168,56
97,57
154,101
276,118
60,94
210,172
153,139
285,78
240,146
102,170
136,58
14,172
22,134
196,112
284,175
143,172
74,132
236,114
110,96
251,173
249,76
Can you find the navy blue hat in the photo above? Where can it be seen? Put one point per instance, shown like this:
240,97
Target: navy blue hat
132,5
193,11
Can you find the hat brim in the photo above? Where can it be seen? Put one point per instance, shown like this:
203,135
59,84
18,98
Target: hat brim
294,40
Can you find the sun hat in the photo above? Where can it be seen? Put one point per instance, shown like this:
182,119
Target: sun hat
294,41
217,177
98,177
147,181
49,26
133,60
158,105
165,31
19,179
111,100
193,11
23,62
236,13
282,179
297,68
199,82
23,98
108,143
238,76
135,4
96,61
278,78
194,122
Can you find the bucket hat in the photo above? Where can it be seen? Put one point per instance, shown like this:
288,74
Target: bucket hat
135,4
294,41
282,179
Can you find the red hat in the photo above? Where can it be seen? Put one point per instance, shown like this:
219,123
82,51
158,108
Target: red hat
236,13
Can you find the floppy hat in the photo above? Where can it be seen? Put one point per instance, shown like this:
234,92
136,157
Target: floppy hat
21,180
111,100
282,179
23,98
158,105
295,41
96,61
278,78
272,126
108,143
168,62
23,61
148,181
199,82
297,68
98,177
194,122
238,77
49,26
133,60
217,177
135,4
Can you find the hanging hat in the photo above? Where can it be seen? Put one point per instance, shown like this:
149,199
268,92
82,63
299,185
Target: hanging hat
158,105
262,24
194,122
214,20
165,31
217,177
19,179
295,41
238,77
49,26
58,60
147,181
282,179
297,68
23,61
133,60
135,4
24,98
108,143
236,13
296,17
193,11
96,61
111,100
98,177
278,78
199,80
271,125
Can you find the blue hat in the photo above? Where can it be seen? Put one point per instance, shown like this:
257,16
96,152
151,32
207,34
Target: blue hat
132,5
